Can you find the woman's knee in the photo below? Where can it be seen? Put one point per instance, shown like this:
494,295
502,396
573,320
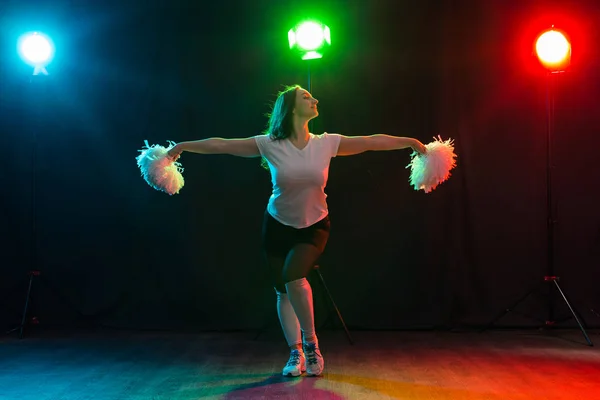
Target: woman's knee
293,274
276,264
299,262
290,278
280,288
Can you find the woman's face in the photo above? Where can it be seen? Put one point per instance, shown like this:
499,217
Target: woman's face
306,105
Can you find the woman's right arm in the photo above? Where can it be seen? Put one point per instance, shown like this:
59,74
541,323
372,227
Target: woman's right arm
246,147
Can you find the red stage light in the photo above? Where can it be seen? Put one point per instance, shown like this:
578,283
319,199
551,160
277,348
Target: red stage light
553,50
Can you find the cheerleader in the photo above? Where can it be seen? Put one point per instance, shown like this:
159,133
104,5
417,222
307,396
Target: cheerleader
296,223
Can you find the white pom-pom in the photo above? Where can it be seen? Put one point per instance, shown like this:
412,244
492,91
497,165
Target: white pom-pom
158,170
432,168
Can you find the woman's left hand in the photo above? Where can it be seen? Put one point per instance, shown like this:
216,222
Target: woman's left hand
419,147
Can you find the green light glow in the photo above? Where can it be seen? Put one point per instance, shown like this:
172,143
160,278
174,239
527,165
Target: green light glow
309,38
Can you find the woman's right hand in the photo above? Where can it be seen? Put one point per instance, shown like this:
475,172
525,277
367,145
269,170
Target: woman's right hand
175,152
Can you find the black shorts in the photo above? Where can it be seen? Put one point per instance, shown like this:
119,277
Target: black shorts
278,239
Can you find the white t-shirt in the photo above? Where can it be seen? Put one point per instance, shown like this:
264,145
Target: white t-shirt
299,177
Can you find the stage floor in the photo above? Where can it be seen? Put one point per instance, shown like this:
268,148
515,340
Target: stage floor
498,365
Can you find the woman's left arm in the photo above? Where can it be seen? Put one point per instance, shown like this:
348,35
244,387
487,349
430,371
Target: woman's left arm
350,145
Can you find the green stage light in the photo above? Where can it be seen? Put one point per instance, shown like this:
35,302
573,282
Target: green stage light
310,38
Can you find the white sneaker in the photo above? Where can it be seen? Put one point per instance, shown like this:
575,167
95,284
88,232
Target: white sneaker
295,365
314,359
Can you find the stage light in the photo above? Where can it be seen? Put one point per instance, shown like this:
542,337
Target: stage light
310,38
553,50
37,50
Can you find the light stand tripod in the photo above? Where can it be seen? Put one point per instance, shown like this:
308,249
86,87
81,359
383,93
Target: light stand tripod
36,83
36,90
549,277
